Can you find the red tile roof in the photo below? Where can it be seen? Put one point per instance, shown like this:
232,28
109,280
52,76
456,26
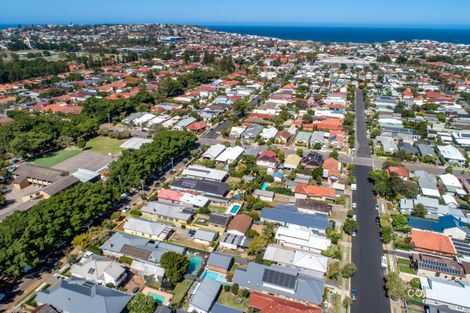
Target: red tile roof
429,241
315,191
332,165
270,304
399,170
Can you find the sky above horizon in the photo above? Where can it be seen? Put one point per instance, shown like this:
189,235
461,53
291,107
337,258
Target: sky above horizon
401,13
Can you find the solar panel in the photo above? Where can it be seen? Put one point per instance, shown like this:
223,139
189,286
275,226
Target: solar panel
279,278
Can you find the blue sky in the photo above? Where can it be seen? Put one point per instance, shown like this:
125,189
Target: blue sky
451,13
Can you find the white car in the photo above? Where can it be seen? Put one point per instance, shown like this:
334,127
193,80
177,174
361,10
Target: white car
384,261
353,187
354,205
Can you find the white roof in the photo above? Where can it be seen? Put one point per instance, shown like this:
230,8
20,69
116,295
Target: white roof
145,226
302,237
450,152
311,261
143,119
135,143
455,292
230,154
204,172
268,133
450,180
195,200
148,268
158,120
214,151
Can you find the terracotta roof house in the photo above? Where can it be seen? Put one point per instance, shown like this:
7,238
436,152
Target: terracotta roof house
267,159
303,191
240,224
270,304
433,243
399,170
331,169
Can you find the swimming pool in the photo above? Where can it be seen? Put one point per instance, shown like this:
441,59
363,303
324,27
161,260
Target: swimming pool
235,208
218,277
157,298
194,263
265,186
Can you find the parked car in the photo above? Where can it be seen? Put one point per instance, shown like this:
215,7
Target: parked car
353,187
354,294
354,205
384,261
377,220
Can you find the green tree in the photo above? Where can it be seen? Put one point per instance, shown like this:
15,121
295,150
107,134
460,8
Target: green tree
334,269
141,303
348,270
350,226
334,154
419,210
396,288
175,266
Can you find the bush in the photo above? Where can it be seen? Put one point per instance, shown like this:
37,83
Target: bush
95,250
348,270
234,289
125,259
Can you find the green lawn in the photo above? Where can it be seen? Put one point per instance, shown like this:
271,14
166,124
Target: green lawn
217,208
228,299
405,266
54,158
180,291
105,145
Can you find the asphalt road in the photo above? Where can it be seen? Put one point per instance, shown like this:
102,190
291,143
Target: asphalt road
367,250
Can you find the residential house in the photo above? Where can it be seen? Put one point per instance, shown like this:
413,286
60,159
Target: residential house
201,172
99,269
204,296
146,228
434,266
204,237
331,169
265,303
399,170
299,237
219,262
447,225
219,220
268,159
292,161
452,184
167,211
432,243
230,155
312,160
214,151
289,215
281,282
313,206
264,195
427,183
240,224
444,296
312,263
233,242
252,132
451,154
303,191
303,138
214,190
77,295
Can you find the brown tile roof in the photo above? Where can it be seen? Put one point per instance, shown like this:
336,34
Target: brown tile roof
270,304
241,223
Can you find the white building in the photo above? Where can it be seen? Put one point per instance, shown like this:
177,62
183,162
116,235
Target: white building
447,295
301,238
99,269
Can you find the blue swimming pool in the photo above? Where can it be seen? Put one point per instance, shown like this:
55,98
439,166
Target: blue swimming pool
235,208
219,277
265,186
157,298
194,263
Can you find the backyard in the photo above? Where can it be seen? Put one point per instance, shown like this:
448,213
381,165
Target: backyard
405,266
229,299
105,145
57,157
180,291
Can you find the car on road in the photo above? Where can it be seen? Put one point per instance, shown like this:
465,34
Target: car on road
383,261
354,295
354,234
377,220
354,205
353,187
354,217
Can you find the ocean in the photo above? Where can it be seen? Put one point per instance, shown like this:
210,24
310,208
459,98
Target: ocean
351,34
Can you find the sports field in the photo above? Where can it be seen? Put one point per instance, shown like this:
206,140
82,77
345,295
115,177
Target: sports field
54,158
105,145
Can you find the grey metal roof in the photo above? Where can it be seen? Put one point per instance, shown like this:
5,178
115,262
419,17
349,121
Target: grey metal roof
279,280
60,185
205,295
81,296
220,219
290,215
205,235
220,260
220,308
253,131
425,149
167,210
